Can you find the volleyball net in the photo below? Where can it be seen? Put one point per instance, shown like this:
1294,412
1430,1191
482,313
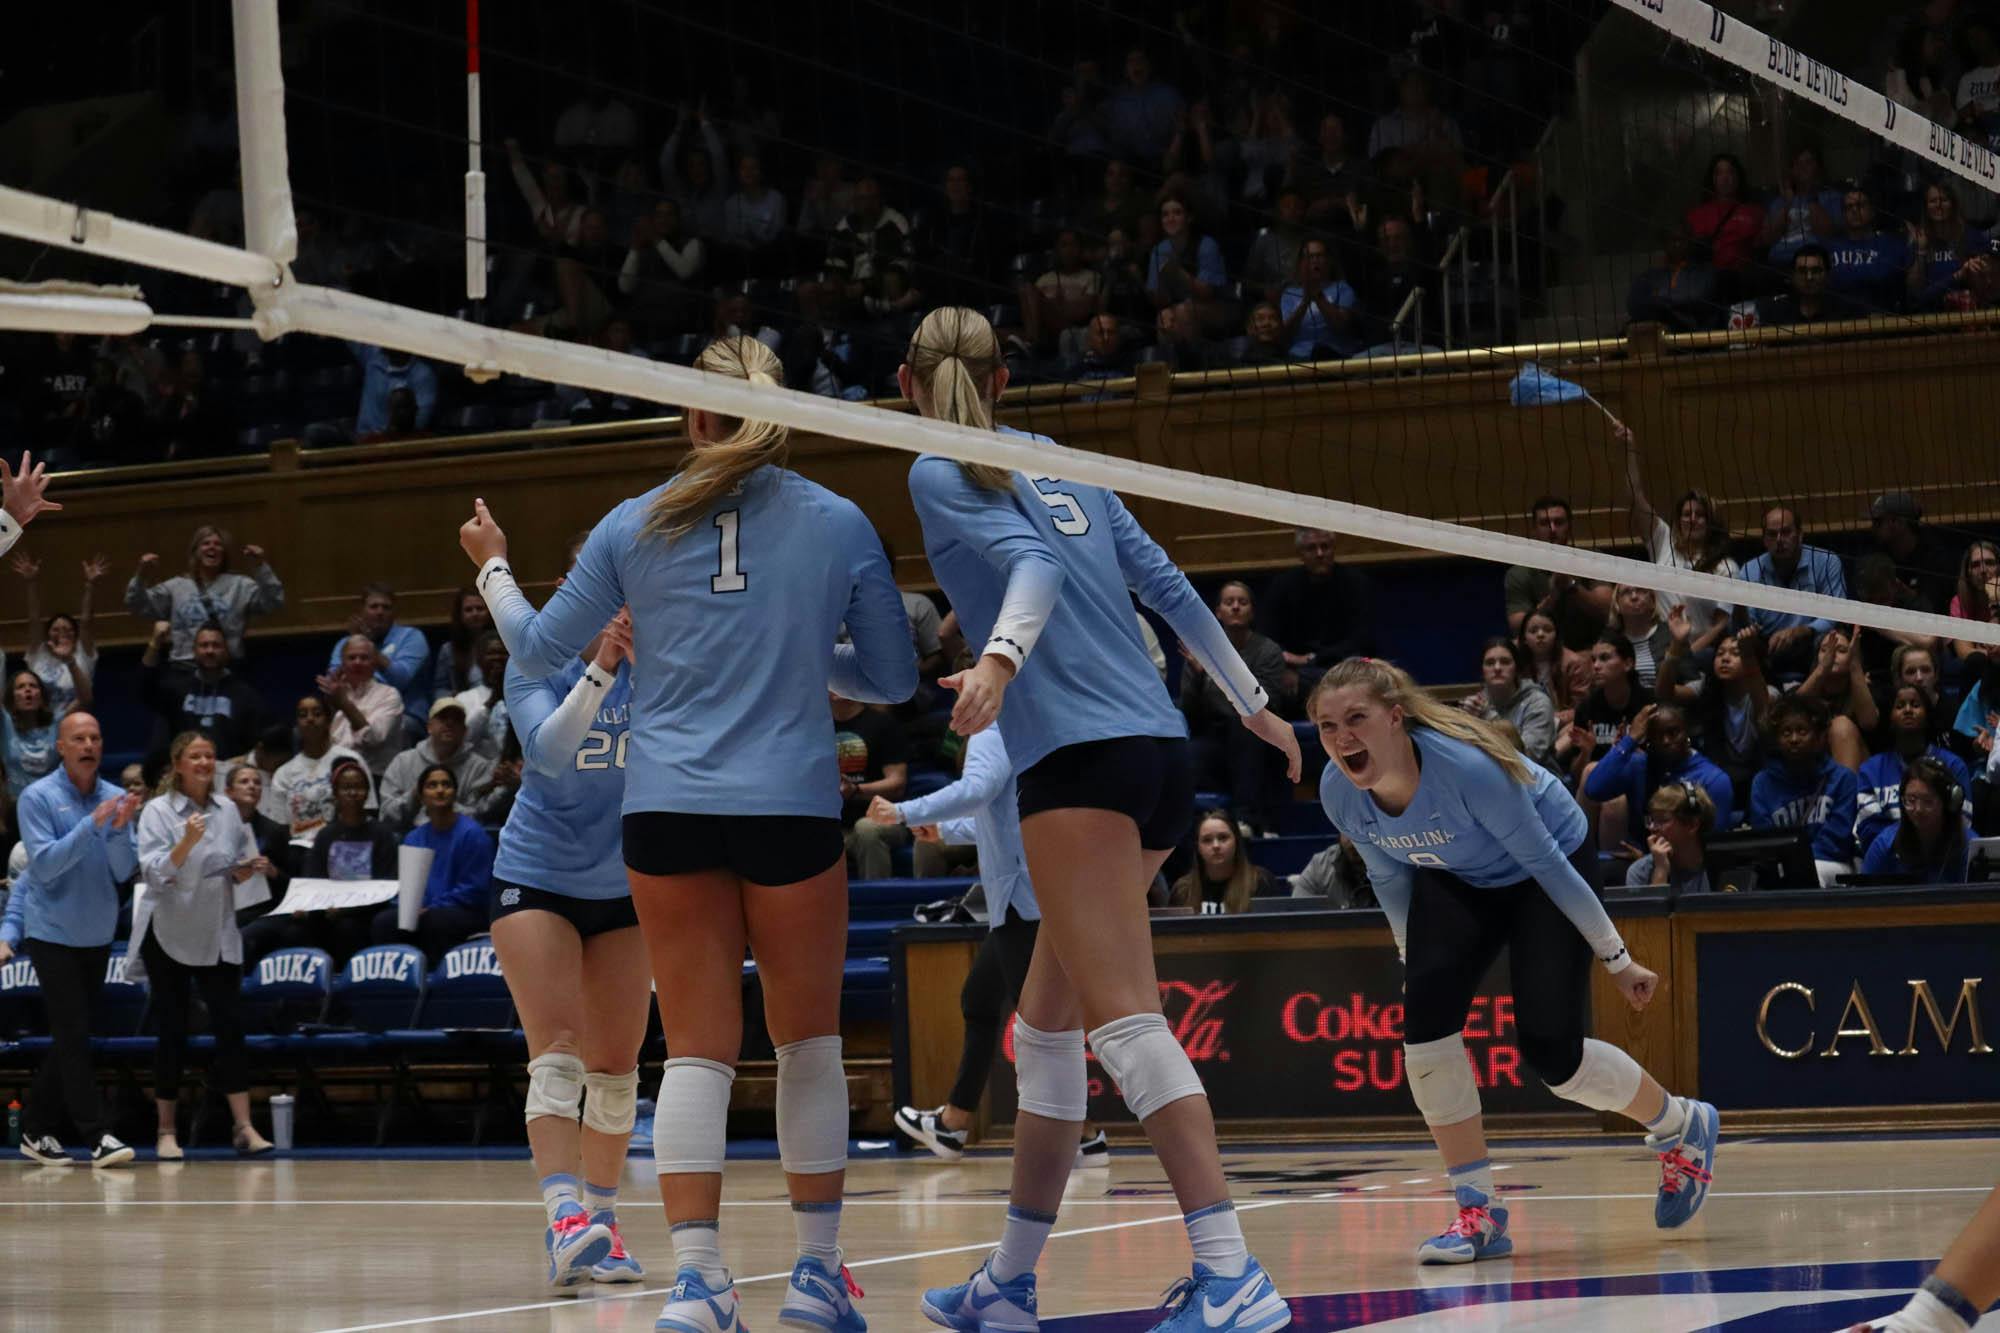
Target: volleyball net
1320,271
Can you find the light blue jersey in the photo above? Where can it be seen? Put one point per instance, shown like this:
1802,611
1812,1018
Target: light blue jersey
984,798
1470,819
733,630
1045,573
563,834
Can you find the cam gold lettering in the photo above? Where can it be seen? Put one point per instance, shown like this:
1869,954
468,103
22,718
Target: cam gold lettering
1968,1005
1764,1020
1857,1003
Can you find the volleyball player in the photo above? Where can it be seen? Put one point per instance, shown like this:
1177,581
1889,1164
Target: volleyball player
1471,849
738,574
1041,573
1965,1283
571,951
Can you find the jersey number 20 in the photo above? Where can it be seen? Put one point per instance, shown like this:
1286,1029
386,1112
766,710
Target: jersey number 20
1064,511
727,577
597,752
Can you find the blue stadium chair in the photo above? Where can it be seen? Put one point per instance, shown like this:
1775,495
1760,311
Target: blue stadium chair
466,1014
466,990
23,1021
121,1008
381,988
1288,856
865,991
287,988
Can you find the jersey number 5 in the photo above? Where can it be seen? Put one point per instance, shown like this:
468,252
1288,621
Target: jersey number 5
1064,511
727,577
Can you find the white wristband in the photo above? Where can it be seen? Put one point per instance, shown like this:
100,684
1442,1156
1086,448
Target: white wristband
595,675
498,564
1617,962
1007,648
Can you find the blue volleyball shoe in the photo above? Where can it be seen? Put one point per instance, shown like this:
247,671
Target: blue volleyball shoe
617,1266
575,1245
1480,1232
1208,1302
815,1298
695,1307
981,1305
1687,1166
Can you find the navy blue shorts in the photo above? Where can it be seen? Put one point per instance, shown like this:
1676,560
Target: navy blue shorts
590,916
1149,778
763,849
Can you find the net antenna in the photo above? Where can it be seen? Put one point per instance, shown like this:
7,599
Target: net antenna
475,178
285,306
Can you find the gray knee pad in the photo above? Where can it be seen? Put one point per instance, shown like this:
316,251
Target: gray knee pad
1606,1080
1049,1071
1151,1069
612,1101
555,1086
691,1117
1441,1080
812,1107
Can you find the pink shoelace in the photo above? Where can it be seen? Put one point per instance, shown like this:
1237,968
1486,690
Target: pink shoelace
853,1287
1676,1170
1472,1223
566,1227
617,1244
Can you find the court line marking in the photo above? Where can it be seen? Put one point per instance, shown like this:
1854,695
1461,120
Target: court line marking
571,1303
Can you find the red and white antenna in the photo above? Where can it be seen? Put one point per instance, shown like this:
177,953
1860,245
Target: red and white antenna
475,179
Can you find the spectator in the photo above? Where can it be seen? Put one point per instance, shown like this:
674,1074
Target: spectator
1924,559
1919,73
300,794
629,200
62,387
1877,583
1914,730
1733,708
1228,756
1420,127
1697,541
350,845
1977,596
1103,354
873,762
1180,344
1636,615
1564,675
368,713
1140,114
753,219
1787,562
1269,147
1911,665
1122,274
27,732
1979,87
1869,264
1328,180
482,789
78,830
191,422
596,122
243,784
1063,297
112,427
194,851
826,199
1838,682
461,875
1580,607
1319,308
1725,225
734,317
1654,753
1186,266
1809,299
457,656
1320,612
553,203
203,697
1681,292
867,263
1263,341
485,704
959,245
62,650
1118,208
132,778
661,274
691,176
383,372
1336,874
1507,695
1616,697
1679,818
584,271
1945,244
1929,840
402,654
1804,212
208,592
1273,261
1804,788
1223,879
1078,128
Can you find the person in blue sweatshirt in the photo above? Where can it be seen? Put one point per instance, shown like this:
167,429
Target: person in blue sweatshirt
1929,840
1804,788
1913,726
1472,849
461,875
1653,752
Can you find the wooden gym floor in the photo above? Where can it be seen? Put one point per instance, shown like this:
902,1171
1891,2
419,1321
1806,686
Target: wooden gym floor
1798,1235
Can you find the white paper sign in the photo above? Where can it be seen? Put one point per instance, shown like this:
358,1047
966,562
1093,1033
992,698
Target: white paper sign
252,891
321,895
413,867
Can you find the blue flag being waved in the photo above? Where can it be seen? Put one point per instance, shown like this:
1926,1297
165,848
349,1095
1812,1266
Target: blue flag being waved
1535,387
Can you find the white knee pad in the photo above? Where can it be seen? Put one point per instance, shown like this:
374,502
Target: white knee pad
1607,1080
1441,1080
613,1101
1151,1069
691,1117
1049,1072
812,1107
555,1086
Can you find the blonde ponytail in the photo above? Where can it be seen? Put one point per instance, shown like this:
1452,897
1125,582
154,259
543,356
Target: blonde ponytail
952,358
716,468
1391,686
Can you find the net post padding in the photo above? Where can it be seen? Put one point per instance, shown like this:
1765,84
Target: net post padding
269,227
338,314
51,222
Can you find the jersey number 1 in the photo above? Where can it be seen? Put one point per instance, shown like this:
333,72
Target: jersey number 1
727,577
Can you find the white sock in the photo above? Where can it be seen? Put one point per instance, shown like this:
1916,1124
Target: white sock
1478,1175
1020,1244
818,1226
1672,1119
557,1190
599,1198
698,1245
1924,1314
1217,1239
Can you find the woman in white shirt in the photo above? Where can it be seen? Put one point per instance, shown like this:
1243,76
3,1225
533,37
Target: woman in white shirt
193,852
62,650
1698,540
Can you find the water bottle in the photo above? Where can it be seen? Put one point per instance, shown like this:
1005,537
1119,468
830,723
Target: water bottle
14,1124
281,1121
